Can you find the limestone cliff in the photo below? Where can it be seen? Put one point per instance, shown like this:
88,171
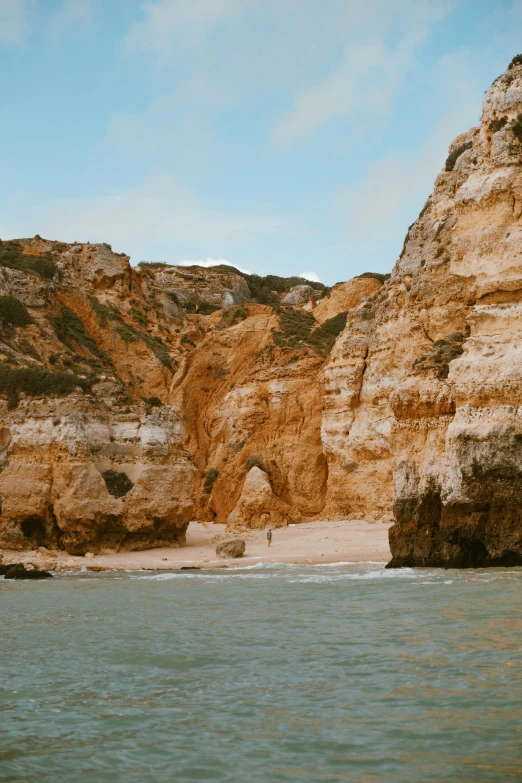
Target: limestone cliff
430,365
456,433
134,399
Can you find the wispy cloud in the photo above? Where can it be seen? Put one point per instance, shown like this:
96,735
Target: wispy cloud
371,71
71,12
395,186
169,23
14,20
227,49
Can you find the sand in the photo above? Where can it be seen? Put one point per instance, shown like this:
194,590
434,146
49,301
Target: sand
310,542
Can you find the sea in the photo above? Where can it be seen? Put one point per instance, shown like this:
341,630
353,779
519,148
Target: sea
265,674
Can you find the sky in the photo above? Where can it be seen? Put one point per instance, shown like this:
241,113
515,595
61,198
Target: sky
288,137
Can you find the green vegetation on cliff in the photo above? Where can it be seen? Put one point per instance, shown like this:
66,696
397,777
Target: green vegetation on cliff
13,257
13,312
297,330
71,331
118,484
441,353
262,288
128,332
36,382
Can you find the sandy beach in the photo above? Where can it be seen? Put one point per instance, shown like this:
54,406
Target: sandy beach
308,543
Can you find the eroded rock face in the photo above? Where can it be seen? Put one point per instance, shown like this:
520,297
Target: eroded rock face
258,507
123,415
53,489
457,429
299,294
220,286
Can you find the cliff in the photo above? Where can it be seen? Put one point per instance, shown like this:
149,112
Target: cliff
135,399
456,427
125,413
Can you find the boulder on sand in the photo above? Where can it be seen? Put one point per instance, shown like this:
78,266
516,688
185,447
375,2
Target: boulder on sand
233,548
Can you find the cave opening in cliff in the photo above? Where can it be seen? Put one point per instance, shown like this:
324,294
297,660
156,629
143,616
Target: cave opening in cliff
34,529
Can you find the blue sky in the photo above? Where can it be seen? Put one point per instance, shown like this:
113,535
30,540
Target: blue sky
284,136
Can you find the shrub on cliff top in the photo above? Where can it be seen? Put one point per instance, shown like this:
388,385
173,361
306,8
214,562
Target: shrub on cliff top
498,124
36,382
13,312
455,155
517,60
517,128
374,275
131,335
233,315
118,484
71,331
13,257
441,353
262,288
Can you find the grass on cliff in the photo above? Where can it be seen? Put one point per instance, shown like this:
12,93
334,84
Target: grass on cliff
128,332
455,155
13,312
233,315
517,129
105,312
297,331
132,335
36,382
12,257
517,60
205,308
210,479
441,353
70,330
264,290
498,124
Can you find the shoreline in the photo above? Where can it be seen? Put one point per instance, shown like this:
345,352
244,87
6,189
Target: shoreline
308,543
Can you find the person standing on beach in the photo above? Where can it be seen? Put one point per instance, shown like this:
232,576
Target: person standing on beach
269,536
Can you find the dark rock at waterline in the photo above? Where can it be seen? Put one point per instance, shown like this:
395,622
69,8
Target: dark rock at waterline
234,548
190,568
19,571
486,533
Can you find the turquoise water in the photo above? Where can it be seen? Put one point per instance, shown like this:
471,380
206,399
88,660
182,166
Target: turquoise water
261,675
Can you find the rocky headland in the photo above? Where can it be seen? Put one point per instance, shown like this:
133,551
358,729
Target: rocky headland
134,399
